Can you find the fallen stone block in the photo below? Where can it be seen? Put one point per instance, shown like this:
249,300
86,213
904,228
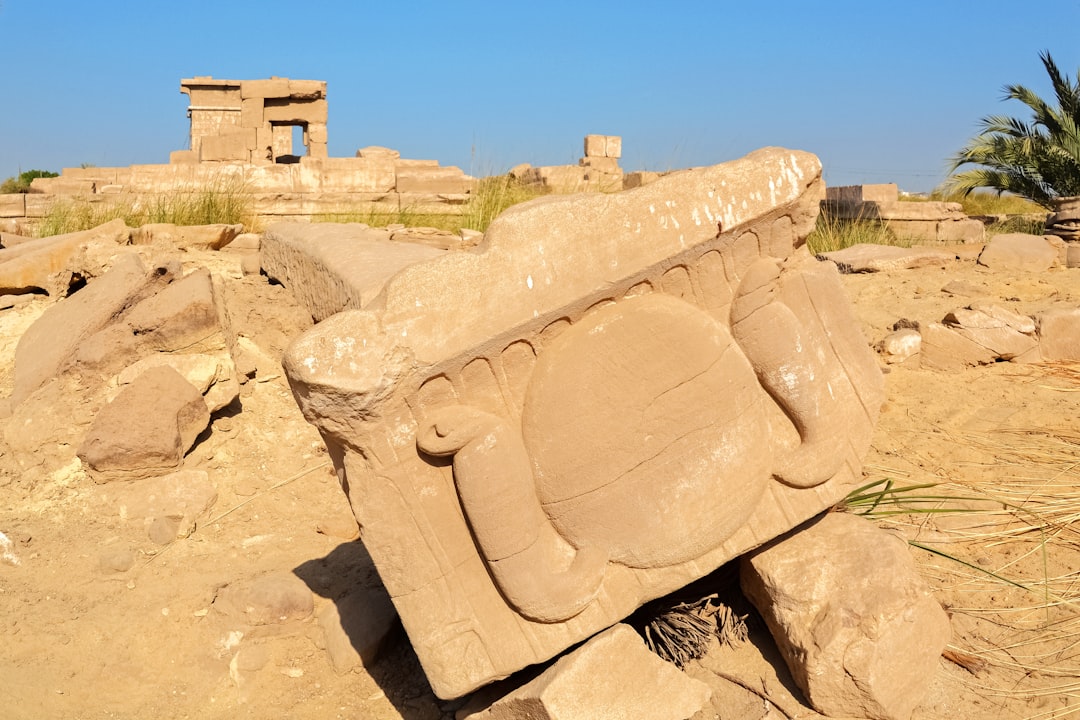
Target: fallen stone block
883,258
330,267
1019,251
434,180
147,429
545,432
214,376
186,237
859,629
1059,335
945,349
53,340
611,677
993,331
50,263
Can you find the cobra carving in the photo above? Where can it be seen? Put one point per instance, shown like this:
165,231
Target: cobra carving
644,441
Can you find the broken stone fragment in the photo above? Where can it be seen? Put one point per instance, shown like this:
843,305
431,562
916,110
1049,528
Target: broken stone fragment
1059,334
186,237
271,599
867,257
611,676
50,263
1019,251
168,505
146,429
859,629
214,376
898,346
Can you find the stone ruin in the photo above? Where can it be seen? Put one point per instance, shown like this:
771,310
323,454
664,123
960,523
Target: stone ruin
241,140
610,397
935,222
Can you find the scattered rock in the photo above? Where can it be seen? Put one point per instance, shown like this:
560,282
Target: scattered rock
858,628
883,258
7,551
995,329
898,346
965,289
51,343
146,429
611,676
1059,334
355,627
116,560
268,600
213,375
1018,251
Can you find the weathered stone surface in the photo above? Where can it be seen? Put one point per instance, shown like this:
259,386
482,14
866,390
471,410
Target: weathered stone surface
898,346
997,330
184,497
271,599
356,626
858,628
1018,251
945,349
147,429
880,192
214,376
599,370
51,342
882,258
49,263
1059,334
432,180
186,237
330,267
611,677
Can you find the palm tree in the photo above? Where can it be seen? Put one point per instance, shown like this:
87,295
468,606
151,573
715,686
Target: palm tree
1038,160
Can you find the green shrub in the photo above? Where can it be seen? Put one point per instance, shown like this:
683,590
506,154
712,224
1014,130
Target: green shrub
21,184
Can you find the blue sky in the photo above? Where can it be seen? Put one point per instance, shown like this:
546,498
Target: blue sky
881,92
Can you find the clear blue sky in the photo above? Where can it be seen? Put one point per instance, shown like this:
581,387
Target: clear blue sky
881,92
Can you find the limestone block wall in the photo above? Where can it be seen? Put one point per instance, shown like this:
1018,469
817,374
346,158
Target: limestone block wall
252,120
598,171
943,222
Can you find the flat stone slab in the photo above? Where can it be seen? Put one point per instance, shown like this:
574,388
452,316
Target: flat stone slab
1019,251
608,398
866,258
330,267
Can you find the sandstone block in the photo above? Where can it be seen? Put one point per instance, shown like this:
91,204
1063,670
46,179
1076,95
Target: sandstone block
601,164
613,146
560,178
882,192
251,113
214,376
267,88
285,111
1018,251
592,433
307,89
369,174
52,341
179,156
186,237
961,231
432,180
1059,334
611,677
38,204
234,146
858,628
330,267
377,151
884,258
146,429
49,263
317,132
12,205
637,179
945,349
992,333
318,150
